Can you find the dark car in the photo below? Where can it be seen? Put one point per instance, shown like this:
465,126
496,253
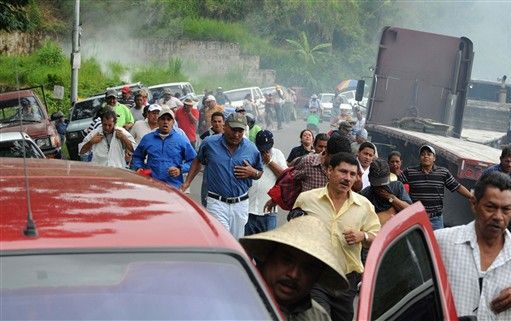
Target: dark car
113,245
23,111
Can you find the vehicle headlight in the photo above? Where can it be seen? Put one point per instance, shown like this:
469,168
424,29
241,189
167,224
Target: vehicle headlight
72,135
43,143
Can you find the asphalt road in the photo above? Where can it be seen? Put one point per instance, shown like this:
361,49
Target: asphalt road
285,139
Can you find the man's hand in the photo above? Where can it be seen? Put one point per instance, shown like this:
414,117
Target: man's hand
353,237
174,171
119,134
383,193
266,156
184,187
245,171
97,138
270,206
502,302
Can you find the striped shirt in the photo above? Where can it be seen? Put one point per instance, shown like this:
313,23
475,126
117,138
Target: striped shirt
429,187
311,172
462,260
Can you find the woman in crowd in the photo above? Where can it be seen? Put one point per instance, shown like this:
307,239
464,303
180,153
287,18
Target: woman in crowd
306,140
394,160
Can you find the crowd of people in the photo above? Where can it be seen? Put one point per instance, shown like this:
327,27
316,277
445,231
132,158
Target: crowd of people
314,263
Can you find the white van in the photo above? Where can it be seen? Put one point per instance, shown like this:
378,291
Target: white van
236,97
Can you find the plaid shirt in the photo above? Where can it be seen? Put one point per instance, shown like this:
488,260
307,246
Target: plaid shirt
461,256
311,172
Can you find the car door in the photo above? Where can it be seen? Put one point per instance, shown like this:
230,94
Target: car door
404,277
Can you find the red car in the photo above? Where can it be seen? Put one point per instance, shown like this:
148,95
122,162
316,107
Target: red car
113,245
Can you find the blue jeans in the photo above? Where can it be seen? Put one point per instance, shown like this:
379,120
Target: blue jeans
260,223
437,222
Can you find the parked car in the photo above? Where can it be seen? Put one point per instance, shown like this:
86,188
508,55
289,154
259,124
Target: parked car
326,103
82,114
184,89
113,245
19,144
34,120
236,97
350,98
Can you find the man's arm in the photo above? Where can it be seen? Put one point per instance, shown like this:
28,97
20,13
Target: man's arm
502,302
194,169
89,141
126,139
462,190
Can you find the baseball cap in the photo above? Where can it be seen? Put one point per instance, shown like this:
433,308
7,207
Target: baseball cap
210,98
427,147
240,109
188,101
111,93
236,120
344,124
264,140
166,110
154,107
379,172
125,89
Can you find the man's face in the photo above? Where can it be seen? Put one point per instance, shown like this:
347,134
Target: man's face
152,117
211,103
108,125
492,212
290,274
427,158
505,163
395,164
165,123
342,177
126,95
365,157
111,100
139,101
217,124
233,135
320,146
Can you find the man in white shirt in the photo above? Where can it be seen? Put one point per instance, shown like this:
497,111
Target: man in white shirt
477,256
110,145
274,163
366,154
147,125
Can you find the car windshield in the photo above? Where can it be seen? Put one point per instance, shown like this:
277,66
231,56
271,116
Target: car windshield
174,89
26,108
14,148
327,98
238,94
87,108
129,286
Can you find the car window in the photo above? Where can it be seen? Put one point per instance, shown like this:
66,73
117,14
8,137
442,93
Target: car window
87,108
327,98
406,287
14,148
26,108
258,93
238,94
349,95
129,286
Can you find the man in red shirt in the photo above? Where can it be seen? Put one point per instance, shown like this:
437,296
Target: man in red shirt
187,118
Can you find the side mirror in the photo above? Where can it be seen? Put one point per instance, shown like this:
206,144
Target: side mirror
359,94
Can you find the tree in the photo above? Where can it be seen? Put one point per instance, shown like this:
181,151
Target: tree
303,48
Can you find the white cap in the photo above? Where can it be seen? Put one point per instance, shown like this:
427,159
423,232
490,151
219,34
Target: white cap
210,98
154,107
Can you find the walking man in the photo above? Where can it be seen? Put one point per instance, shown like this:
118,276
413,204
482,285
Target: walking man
274,162
353,223
187,118
168,153
109,143
477,256
124,116
292,259
427,182
143,127
232,162
505,162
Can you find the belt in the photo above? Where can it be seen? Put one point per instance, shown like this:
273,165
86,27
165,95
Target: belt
437,214
228,200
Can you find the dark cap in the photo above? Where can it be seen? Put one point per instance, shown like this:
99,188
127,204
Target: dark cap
345,124
111,93
379,172
236,120
428,148
264,140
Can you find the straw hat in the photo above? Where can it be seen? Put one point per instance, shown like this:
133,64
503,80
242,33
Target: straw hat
307,234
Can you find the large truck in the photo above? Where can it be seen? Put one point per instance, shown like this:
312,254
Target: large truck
418,96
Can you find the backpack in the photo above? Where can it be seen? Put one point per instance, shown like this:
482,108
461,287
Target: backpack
286,189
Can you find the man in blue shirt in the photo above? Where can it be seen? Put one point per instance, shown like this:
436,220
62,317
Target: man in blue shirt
232,162
505,163
169,154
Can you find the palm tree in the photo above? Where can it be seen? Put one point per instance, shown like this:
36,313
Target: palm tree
303,48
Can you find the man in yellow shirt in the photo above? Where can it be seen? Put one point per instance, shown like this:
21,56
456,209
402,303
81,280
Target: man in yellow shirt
353,223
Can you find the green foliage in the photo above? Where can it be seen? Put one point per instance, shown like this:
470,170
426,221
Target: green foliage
15,15
50,54
154,74
303,48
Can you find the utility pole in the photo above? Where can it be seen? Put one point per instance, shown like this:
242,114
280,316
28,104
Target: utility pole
75,54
